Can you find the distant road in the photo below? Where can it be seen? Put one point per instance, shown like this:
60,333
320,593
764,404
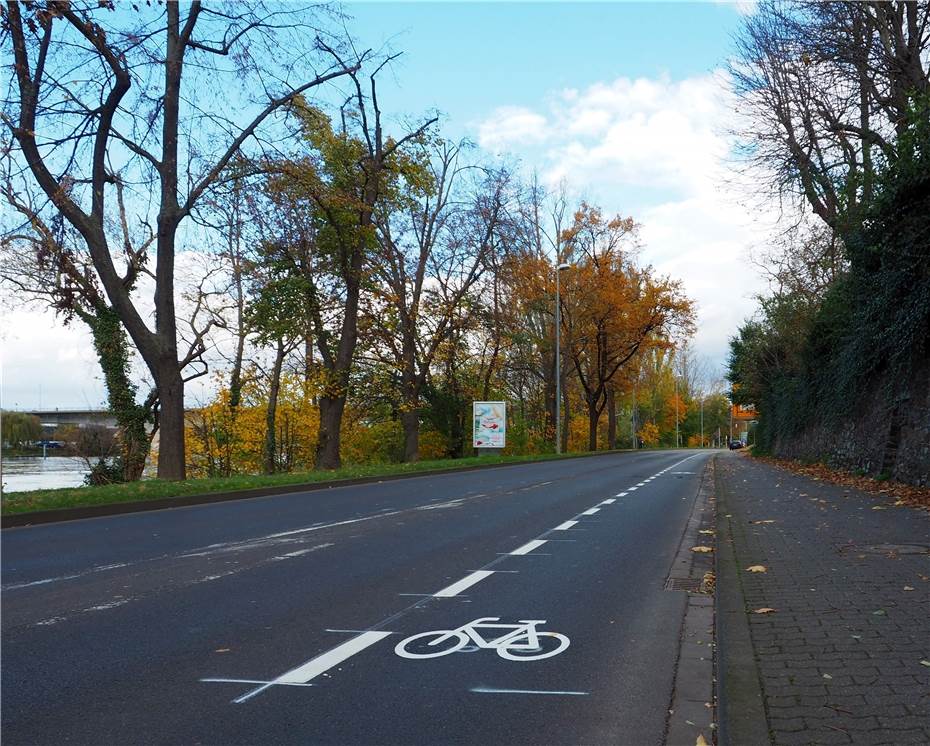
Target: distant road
280,619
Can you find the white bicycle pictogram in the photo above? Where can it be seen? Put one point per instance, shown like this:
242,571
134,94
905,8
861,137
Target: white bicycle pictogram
523,642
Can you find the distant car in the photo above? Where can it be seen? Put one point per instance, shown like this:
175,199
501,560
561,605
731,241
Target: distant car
51,443
734,444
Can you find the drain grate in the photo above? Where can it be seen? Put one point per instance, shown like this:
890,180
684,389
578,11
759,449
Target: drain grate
683,584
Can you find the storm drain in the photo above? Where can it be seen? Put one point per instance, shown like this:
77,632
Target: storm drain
692,585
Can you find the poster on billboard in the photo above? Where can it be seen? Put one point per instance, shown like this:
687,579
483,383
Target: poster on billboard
490,424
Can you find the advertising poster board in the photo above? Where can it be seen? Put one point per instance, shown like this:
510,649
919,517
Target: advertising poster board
490,424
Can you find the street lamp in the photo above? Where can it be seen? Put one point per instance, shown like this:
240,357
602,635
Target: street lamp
558,363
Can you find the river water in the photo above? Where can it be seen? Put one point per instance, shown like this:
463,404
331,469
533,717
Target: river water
21,473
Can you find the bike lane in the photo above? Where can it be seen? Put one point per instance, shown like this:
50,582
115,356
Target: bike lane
598,582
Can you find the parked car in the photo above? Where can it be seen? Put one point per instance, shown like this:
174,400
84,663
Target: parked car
734,444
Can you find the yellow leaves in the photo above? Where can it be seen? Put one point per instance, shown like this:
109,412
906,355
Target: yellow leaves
702,549
649,434
765,610
701,741
708,582
757,568
765,521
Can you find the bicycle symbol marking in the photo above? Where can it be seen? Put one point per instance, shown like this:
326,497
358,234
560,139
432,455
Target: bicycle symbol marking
519,642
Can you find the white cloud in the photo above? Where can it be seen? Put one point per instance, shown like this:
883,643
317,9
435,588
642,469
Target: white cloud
655,149
510,125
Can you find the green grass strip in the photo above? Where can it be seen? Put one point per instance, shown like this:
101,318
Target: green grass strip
154,489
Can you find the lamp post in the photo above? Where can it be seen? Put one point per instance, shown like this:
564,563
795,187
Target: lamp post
558,362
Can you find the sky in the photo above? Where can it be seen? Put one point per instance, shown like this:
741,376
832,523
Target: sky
626,104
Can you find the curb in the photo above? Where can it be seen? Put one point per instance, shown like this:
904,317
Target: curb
741,707
56,515
691,711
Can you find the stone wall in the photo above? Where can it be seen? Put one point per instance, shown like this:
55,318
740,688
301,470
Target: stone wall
880,435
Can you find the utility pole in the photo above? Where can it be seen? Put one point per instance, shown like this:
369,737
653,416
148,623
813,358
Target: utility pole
677,442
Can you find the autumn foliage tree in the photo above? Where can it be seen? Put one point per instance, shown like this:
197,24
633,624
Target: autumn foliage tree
612,309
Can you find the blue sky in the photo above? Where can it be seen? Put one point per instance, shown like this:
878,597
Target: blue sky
467,58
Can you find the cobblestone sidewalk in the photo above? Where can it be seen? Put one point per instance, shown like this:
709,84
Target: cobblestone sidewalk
845,655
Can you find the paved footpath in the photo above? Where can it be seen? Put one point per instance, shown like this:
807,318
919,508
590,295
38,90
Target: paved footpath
845,656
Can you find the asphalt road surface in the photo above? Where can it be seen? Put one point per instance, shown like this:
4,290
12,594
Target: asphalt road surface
289,619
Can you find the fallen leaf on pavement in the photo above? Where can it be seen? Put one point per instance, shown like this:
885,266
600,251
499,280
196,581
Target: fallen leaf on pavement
221,650
702,550
925,663
701,741
879,612
764,610
907,588
757,568
879,507
769,520
705,531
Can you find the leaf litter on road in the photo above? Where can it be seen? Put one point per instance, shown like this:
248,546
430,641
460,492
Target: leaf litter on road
757,568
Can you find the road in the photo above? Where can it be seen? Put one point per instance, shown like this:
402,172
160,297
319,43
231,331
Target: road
284,619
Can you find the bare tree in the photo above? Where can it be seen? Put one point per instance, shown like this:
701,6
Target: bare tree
824,88
433,247
92,99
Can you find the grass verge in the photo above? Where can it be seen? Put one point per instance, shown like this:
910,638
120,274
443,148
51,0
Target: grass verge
154,489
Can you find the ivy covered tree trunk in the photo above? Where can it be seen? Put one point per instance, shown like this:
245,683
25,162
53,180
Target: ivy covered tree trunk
112,350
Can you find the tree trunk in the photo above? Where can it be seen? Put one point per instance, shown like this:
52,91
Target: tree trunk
171,457
611,420
113,353
327,449
411,422
593,418
270,449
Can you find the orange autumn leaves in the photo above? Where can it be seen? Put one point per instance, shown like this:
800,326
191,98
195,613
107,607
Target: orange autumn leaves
613,310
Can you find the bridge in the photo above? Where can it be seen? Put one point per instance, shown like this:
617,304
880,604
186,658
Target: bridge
53,418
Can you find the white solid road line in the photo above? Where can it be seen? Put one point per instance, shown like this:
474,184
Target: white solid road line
466,582
490,690
529,546
608,501
565,526
590,511
321,664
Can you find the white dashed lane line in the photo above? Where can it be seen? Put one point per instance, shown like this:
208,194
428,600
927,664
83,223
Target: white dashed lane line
467,582
529,546
565,526
590,511
322,663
